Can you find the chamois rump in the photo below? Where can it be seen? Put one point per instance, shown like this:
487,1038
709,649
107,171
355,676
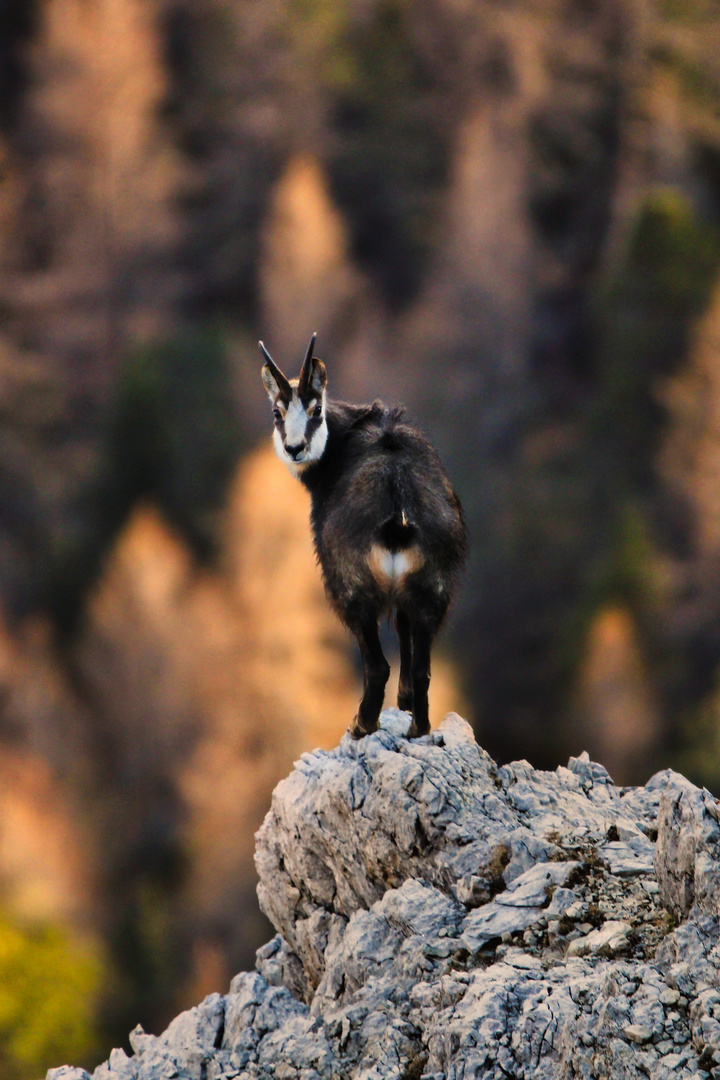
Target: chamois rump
388,528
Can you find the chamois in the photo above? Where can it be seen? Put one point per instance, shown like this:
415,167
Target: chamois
388,528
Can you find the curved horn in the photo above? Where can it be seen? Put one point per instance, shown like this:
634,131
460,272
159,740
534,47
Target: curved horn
306,370
284,385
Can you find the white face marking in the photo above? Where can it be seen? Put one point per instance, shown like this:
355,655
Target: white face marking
394,564
296,421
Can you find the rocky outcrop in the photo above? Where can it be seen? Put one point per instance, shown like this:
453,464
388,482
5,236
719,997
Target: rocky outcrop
439,916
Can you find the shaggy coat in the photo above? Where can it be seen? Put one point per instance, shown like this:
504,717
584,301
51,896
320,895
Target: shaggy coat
387,525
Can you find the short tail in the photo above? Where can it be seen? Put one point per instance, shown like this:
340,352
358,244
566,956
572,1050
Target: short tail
398,532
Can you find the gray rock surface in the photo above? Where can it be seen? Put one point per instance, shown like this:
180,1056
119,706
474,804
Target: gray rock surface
438,916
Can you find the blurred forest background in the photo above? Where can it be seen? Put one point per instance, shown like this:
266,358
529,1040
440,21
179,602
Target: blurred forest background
505,213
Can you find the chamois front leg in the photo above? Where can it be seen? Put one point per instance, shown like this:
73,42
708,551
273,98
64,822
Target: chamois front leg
376,672
405,683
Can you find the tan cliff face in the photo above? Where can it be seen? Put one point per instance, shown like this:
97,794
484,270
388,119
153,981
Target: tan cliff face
47,872
306,272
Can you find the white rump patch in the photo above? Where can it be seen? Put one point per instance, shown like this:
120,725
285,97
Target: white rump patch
391,567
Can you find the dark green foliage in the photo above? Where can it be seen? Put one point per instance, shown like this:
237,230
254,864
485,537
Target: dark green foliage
572,146
18,21
172,438
150,953
690,12
389,149
224,62
644,321
580,527
175,437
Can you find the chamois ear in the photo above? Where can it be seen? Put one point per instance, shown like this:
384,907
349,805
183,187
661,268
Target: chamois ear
269,383
274,381
318,377
304,385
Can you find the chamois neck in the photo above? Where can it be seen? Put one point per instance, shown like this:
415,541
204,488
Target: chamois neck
343,421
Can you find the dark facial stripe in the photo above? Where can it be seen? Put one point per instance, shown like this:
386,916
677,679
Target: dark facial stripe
280,424
312,423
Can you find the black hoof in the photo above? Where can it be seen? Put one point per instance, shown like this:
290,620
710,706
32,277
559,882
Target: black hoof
357,731
414,733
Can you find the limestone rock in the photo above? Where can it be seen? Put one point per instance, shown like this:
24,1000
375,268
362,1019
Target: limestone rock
688,851
610,940
442,917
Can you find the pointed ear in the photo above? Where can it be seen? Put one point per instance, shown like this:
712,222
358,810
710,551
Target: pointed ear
270,383
272,376
318,377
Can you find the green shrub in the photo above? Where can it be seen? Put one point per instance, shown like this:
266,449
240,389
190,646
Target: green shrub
48,988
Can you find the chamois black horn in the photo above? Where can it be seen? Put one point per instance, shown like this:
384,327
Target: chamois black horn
285,387
304,381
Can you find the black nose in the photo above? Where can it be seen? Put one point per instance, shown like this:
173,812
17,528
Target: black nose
295,451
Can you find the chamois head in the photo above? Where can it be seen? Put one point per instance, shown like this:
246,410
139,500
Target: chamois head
298,410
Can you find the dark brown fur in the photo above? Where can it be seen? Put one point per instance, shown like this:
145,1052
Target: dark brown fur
388,528
379,481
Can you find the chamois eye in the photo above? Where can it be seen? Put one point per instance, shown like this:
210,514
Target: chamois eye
277,414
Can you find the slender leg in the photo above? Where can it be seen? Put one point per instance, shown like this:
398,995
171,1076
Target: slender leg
405,686
376,671
421,642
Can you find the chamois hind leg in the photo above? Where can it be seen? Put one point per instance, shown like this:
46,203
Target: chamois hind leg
422,639
405,683
376,672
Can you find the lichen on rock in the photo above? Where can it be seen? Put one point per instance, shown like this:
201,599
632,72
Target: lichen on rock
439,916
